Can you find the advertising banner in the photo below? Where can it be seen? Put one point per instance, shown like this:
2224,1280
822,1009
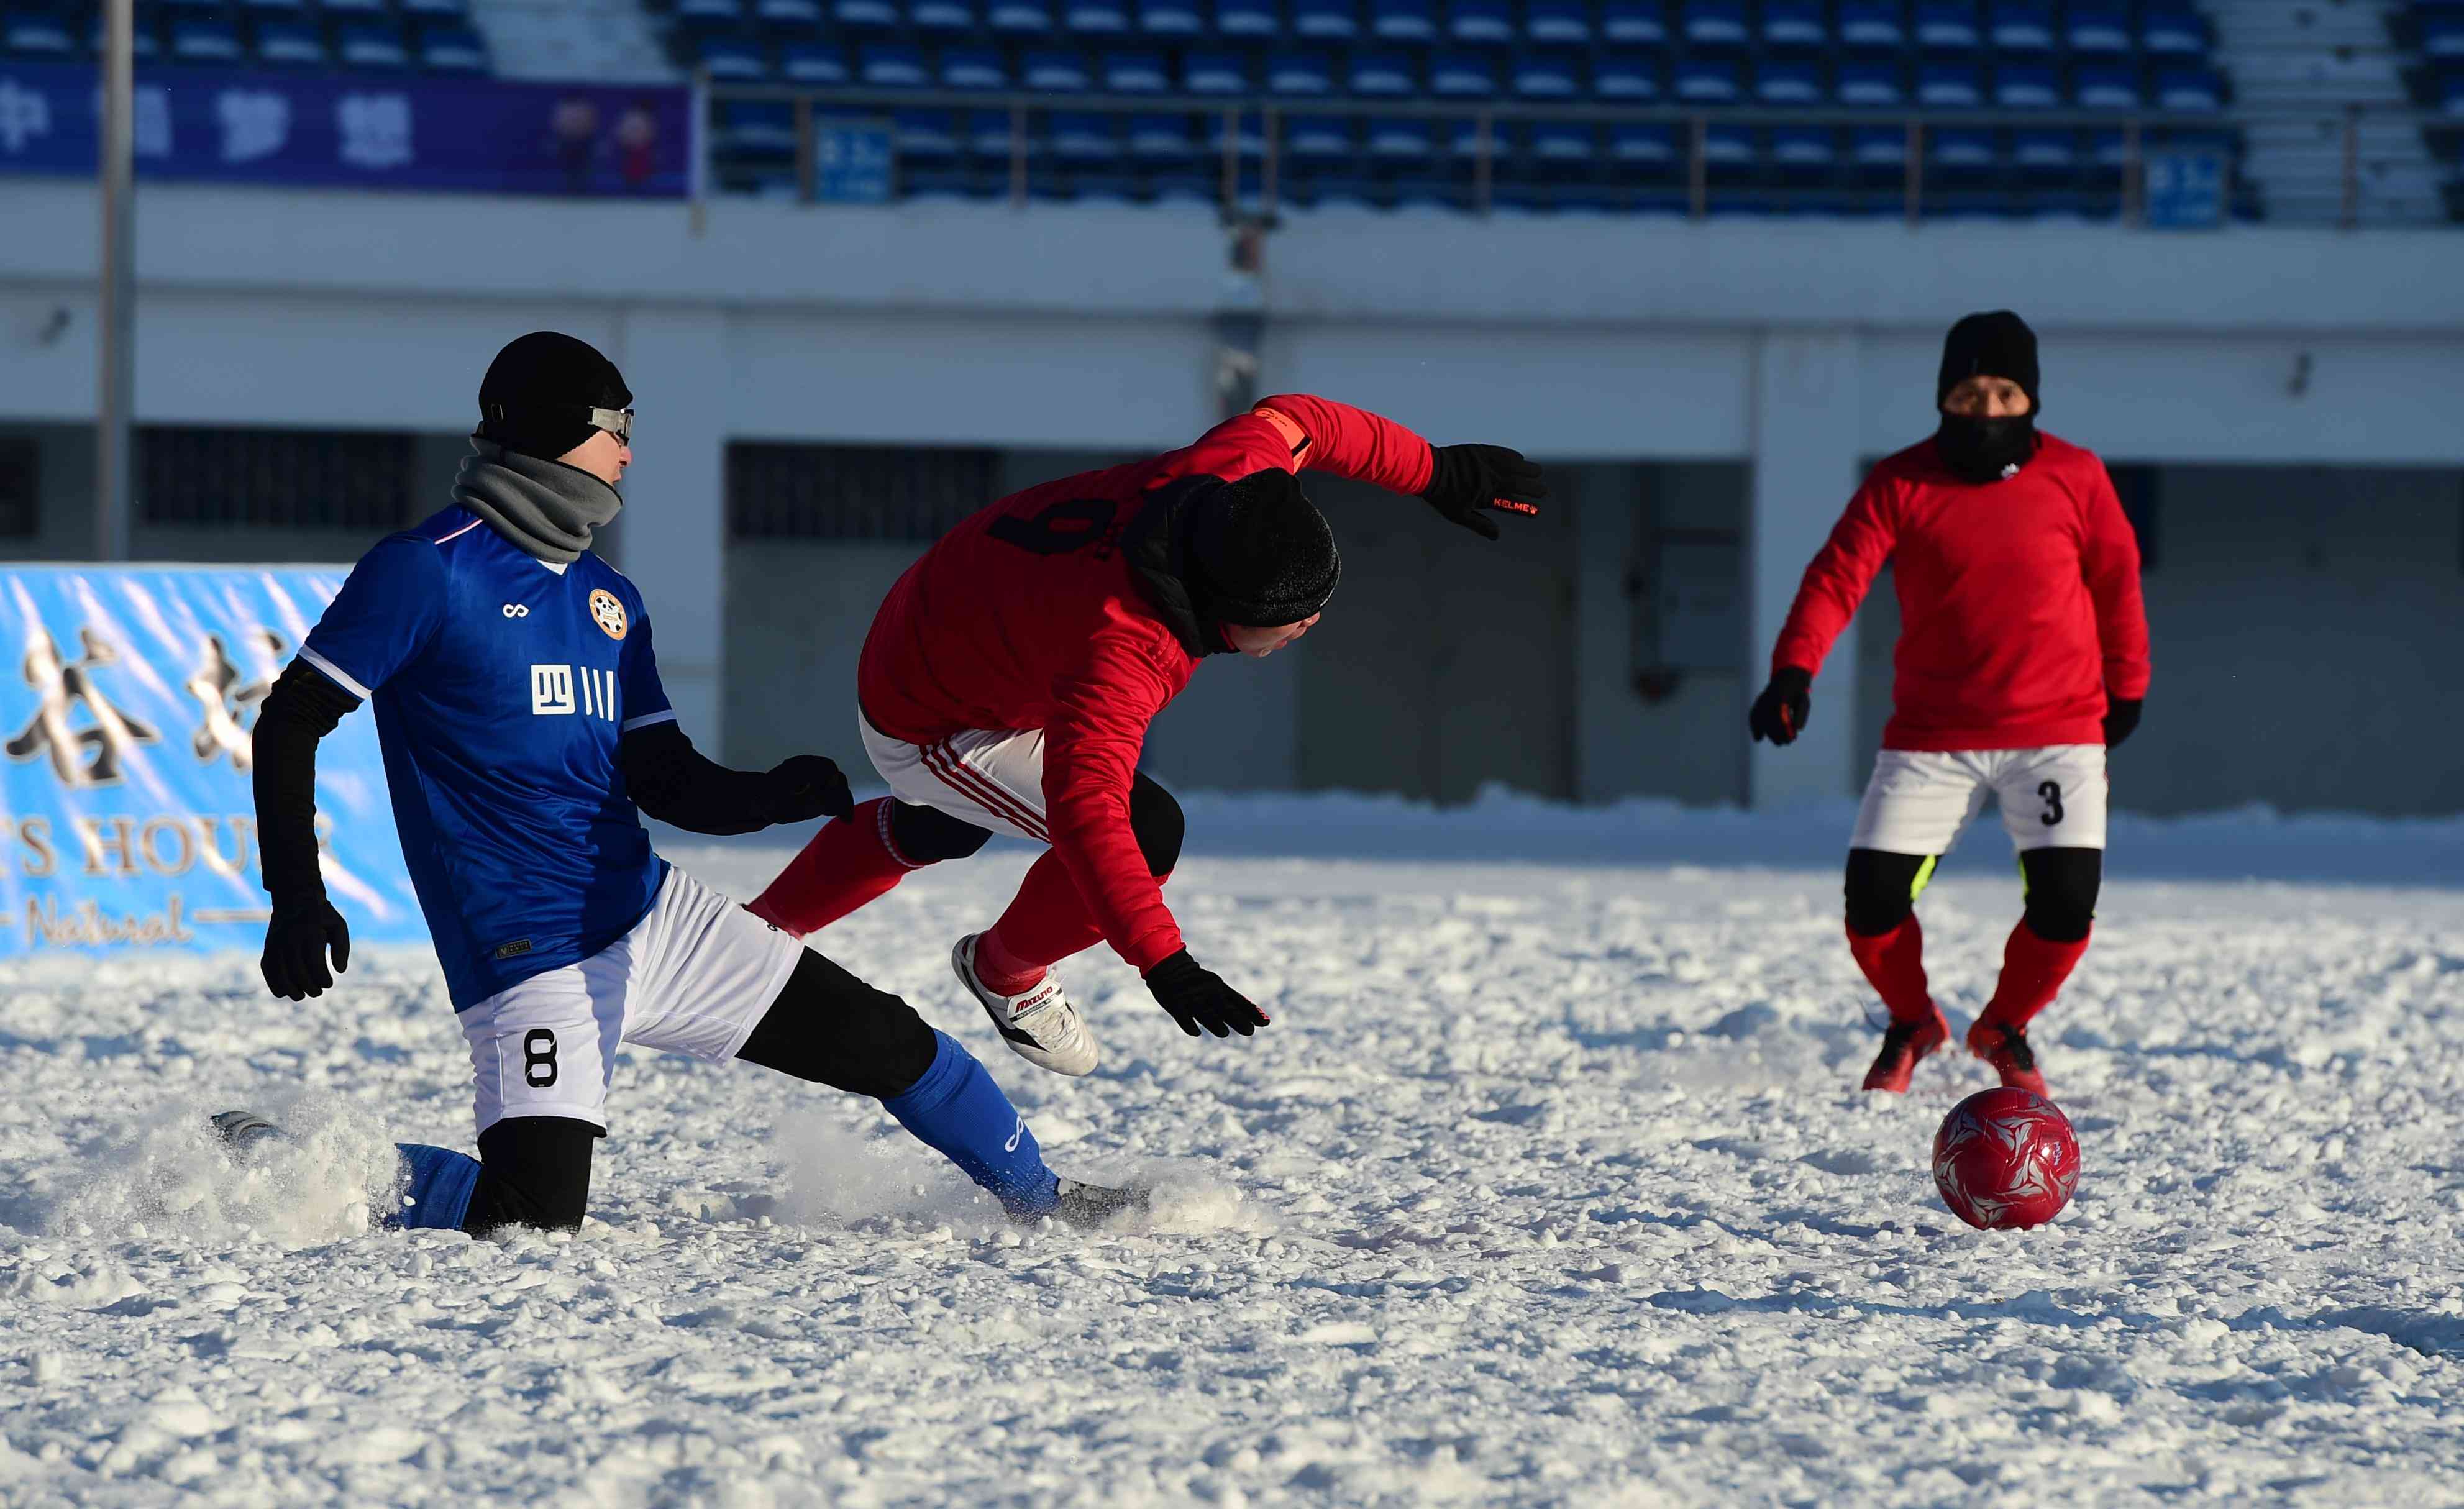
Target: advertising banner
126,818
321,130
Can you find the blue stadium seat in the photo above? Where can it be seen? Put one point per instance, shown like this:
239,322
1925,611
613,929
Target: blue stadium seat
942,16
1787,82
2045,155
1462,75
351,9
1325,20
212,40
974,67
1248,137
1247,18
1299,72
1706,82
2170,30
987,134
1562,23
37,34
854,15
1804,149
1482,23
1318,138
1382,75
1054,73
812,64
1205,72
1645,145
1399,136
703,16
1171,19
1949,86
1402,21
1868,84
890,65
1019,17
789,15
1728,148
2104,86
1626,76
291,10
1717,25
1162,138
1096,18
290,44
1080,135
1879,151
1135,73
1961,150
1564,142
2188,90
1634,23
757,128
2442,35
2098,26
1948,26
1872,26
2449,93
364,44
1547,75
454,49
436,10
1795,26
2027,86
2018,28
930,135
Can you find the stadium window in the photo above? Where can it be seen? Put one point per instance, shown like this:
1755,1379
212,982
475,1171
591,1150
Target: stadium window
2137,487
20,475
278,478
854,493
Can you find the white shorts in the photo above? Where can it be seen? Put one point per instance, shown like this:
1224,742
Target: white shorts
993,779
2050,797
694,976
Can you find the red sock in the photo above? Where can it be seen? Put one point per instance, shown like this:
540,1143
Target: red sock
1894,964
848,862
2033,971
1047,922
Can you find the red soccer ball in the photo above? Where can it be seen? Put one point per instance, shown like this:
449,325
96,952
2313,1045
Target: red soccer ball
2006,1159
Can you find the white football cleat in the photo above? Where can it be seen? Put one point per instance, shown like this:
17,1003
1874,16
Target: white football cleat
1039,1023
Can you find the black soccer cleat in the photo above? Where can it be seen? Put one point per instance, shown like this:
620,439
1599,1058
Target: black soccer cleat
244,1131
1086,1206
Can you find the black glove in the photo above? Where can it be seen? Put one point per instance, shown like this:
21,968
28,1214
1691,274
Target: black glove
295,941
804,788
1197,996
1466,481
1780,712
2121,719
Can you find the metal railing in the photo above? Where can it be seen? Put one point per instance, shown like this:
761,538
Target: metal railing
1241,197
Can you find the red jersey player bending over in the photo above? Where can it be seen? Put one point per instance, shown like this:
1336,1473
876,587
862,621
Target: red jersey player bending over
2023,658
1010,675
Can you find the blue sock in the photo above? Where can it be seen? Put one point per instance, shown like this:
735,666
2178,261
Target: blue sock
957,1110
438,1192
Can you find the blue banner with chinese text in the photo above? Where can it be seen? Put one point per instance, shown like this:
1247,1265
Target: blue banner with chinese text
471,136
126,818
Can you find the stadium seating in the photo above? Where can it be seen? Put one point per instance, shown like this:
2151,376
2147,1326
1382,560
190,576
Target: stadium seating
2433,32
388,36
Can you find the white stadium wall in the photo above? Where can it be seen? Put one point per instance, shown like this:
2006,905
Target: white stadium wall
1789,354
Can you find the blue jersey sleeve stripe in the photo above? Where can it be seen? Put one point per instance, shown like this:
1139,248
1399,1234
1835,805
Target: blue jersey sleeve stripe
335,673
647,718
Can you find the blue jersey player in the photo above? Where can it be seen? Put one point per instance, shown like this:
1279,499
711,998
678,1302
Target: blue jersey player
519,706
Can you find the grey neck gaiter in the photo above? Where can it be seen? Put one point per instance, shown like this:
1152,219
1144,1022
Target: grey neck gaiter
543,507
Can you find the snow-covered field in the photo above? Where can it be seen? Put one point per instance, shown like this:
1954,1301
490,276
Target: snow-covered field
1549,1185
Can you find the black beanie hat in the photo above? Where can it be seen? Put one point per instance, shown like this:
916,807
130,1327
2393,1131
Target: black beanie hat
1260,553
1998,344
539,392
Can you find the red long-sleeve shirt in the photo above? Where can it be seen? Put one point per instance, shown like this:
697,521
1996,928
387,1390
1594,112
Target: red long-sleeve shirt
2019,607
1029,616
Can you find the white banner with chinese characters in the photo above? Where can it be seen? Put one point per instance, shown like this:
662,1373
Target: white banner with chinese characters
126,818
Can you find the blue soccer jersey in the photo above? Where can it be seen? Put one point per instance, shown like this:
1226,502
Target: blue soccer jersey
502,685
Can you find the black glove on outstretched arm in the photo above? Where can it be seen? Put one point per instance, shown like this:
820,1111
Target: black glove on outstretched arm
679,784
807,786
304,707
1467,482
1197,996
2121,719
296,943
1780,712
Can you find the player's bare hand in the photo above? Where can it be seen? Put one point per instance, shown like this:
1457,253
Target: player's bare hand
1197,996
806,787
1468,482
295,945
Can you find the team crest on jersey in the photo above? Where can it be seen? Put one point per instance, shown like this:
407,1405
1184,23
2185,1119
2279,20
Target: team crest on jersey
607,613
